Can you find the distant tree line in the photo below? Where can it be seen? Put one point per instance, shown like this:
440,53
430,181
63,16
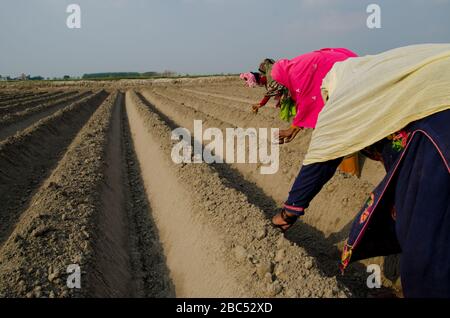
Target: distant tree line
127,75
106,76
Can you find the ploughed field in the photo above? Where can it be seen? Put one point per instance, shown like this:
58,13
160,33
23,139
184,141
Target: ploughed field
86,178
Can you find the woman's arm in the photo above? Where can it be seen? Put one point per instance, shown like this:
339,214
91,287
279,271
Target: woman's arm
273,89
262,103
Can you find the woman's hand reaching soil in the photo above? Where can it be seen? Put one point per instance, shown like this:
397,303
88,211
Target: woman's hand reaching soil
287,135
255,108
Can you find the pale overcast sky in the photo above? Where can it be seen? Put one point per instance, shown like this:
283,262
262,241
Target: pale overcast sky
201,36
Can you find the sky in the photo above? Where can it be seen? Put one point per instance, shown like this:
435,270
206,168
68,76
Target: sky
201,36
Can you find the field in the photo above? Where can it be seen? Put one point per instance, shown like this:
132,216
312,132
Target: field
86,178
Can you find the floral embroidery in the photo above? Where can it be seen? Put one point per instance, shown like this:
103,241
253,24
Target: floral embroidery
345,258
364,217
368,210
399,140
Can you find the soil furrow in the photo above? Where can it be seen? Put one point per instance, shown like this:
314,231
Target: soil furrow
21,96
317,232
29,99
214,214
92,213
56,229
234,90
184,115
268,116
22,106
150,272
371,171
229,98
291,155
19,121
27,157
127,258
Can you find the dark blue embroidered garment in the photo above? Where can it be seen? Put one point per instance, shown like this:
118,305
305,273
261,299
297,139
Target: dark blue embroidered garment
408,212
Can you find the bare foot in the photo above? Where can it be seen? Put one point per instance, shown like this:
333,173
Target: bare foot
284,220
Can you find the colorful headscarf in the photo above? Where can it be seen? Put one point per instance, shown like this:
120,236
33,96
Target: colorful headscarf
249,78
303,77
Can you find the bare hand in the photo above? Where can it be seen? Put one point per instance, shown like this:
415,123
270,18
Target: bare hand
287,135
255,108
